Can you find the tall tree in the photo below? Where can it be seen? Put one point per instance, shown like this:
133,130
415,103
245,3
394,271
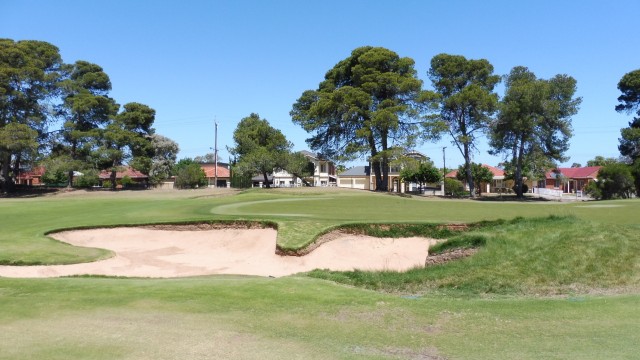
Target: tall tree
367,105
29,71
602,161
165,153
466,102
534,119
260,148
629,102
127,137
208,158
85,108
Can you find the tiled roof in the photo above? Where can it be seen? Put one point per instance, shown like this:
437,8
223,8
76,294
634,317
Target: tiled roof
589,172
210,170
30,174
497,172
128,171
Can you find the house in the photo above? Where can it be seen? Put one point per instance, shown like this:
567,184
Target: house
30,177
324,173
570,180
498,185
221,174
138,178
358,177
258,181
395,183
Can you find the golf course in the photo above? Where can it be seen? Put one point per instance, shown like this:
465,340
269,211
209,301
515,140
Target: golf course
545,279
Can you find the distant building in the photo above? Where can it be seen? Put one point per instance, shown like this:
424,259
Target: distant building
498,185
358,177
570,180
223,174
324,174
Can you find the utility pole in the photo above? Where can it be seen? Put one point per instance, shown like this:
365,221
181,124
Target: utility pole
215,184
444,170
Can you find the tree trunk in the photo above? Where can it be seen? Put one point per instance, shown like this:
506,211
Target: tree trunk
266,180
70,173
376,165
305,182
467,168
7,183
518,175
114,178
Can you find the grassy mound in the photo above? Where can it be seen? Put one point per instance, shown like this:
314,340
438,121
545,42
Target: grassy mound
540,256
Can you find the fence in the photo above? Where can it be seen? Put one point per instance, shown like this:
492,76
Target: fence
556,193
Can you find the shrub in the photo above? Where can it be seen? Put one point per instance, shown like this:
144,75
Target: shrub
616,181
453,187
88,179
54,178
190,177
525,188
107,184
126,181
592,189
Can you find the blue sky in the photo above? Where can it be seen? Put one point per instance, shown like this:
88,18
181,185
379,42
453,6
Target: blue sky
196,61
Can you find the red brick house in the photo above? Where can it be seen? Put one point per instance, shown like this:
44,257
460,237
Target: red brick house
497,185
570,180
31,177
135,175
223,174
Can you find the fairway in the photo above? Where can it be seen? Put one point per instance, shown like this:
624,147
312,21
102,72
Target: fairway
559,287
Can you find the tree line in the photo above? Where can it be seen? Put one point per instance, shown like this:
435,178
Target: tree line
373,104
61,115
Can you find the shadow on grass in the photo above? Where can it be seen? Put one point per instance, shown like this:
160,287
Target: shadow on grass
512,198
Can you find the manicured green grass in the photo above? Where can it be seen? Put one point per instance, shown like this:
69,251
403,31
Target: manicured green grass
564,287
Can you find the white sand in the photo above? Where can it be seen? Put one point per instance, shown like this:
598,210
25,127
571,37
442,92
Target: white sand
144,252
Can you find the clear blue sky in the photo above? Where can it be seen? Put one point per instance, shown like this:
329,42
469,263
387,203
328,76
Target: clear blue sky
196,61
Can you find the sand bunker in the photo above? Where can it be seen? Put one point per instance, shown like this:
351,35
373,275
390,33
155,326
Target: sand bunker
144,252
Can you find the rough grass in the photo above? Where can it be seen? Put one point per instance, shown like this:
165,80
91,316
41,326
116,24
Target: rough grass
540,256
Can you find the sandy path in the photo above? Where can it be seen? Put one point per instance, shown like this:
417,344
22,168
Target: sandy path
142,252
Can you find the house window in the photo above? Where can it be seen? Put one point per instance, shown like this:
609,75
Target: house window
556,183
323,168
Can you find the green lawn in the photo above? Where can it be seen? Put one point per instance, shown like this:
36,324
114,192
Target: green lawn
564,287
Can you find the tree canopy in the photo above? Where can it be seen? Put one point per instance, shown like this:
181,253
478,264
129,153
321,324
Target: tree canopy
465,98
38,91
259,147
421,173
629,139
366,106
534,121
29,72
480,174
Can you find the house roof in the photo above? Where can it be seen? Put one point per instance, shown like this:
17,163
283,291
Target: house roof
127,171
261,178
357,171
309,154
30,174
210,171
588,172
416,155
497,172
